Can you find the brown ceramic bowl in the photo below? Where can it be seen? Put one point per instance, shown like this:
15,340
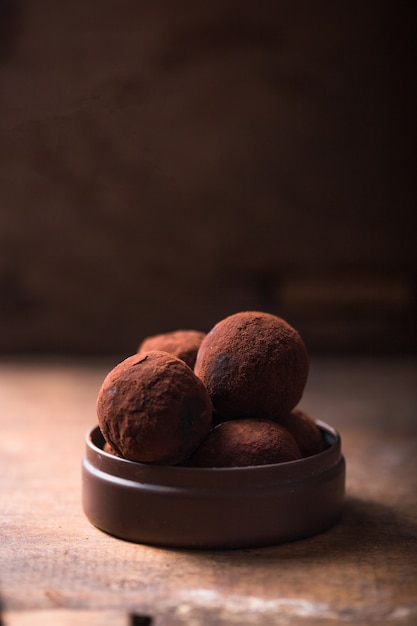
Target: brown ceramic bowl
203,508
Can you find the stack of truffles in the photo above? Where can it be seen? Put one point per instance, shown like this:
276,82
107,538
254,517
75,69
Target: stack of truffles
227,398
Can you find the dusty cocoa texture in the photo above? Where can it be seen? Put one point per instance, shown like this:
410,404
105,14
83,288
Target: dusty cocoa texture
246,442
109,449
151,408
253,364
305,431
183,344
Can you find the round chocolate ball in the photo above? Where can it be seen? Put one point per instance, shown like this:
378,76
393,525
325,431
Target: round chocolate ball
305,431
183,344
254,365
244,442
109,449
151,408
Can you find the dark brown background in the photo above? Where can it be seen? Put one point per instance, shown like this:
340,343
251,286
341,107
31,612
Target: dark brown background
164,164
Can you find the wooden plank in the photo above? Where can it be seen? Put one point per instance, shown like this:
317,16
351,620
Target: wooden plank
65,617
54,563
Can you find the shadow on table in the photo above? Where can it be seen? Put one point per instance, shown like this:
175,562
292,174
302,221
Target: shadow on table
367,525
364,526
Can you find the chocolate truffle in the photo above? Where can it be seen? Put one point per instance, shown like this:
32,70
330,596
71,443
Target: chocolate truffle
151,408
109,449
305,431
244,442
254,365
183,344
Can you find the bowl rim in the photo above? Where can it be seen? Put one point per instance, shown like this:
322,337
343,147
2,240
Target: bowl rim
184,476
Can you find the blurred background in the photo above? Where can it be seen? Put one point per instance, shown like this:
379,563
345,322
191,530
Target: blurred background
164,164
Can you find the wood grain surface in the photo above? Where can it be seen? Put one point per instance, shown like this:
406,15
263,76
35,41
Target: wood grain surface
167,164
56,568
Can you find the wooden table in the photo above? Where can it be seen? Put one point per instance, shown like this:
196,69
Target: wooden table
57,569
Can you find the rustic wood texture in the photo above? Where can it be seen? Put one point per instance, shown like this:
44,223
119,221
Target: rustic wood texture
164,164
58,569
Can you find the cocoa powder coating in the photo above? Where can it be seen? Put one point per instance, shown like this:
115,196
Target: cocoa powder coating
253,364
244,442
109,449
183,344
305,431
151,408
